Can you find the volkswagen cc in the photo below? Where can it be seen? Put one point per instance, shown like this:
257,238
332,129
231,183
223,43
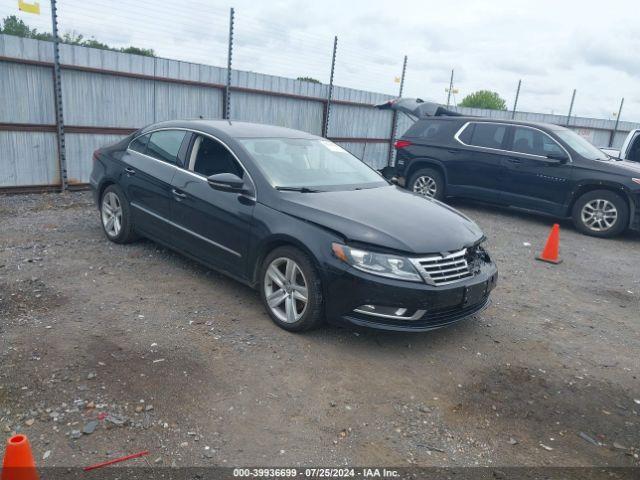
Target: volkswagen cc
320,234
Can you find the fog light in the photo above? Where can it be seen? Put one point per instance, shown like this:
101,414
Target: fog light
392,313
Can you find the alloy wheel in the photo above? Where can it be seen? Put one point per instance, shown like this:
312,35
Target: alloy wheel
425,186
286,290
599,215
111,214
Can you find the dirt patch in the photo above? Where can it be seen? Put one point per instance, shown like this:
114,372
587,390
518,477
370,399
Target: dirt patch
549,405
27,297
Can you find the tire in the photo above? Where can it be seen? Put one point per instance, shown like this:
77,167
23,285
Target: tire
593,214
289,313
427,182
115,206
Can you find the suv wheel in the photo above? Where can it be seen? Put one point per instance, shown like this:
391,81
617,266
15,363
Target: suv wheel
427,182
115,215
601,213
290,289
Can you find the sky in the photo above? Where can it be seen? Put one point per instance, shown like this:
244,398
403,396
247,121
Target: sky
552,46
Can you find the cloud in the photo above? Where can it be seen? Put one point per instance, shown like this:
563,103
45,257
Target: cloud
552,46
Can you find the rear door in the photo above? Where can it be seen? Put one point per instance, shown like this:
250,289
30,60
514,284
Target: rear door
476,171
533,180
214,225
151,164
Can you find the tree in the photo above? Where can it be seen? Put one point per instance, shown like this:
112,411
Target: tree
484,99
12,25
308,79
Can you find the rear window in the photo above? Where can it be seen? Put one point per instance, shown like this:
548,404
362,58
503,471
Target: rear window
488,135
432,130
165,144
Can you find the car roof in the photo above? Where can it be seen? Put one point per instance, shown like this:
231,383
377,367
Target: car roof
548,126
233,129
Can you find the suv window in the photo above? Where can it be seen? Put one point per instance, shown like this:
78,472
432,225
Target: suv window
433,130
489,135
534,142
140,143
209,157
165,144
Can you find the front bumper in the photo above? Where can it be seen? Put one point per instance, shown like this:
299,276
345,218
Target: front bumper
427,307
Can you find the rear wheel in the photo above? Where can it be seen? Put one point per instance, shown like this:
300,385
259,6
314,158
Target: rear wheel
115,215
427,182
601,213
290,289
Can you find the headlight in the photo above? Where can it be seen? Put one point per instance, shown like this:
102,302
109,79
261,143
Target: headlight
391,266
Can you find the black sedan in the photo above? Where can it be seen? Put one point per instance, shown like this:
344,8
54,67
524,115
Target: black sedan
318,232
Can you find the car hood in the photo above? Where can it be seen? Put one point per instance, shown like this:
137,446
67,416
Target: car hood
387,217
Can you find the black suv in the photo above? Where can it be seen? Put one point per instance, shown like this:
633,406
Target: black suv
535,166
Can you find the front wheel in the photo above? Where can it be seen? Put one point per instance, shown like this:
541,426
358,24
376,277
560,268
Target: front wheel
427,182
290,289
601,213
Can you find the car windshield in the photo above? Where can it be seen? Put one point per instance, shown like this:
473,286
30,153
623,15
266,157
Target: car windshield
310,164
580,145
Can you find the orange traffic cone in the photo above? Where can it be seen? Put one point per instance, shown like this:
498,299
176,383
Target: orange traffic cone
551,252
18,461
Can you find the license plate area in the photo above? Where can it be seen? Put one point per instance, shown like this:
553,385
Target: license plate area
474,294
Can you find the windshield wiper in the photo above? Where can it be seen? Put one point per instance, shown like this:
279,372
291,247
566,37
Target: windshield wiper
298,189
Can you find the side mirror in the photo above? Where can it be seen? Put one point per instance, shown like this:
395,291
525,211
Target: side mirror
226,182
559,157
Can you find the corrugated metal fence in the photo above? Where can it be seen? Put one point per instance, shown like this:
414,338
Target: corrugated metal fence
108,94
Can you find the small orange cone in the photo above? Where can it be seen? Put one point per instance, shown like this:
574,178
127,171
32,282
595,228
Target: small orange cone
18,461
551,252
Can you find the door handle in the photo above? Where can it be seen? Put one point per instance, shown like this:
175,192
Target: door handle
178,193
130,171
514,160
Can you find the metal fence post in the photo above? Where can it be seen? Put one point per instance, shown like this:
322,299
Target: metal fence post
615,127
573,98
394,121
515,102
226,108
57,87
327,105
450,88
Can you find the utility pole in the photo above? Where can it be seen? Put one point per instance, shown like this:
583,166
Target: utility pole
450,89
573,98
227,90
57,87
327,108
515,102
394,122
615,127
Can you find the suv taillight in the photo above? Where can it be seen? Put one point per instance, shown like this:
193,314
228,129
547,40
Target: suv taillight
96,155
402,144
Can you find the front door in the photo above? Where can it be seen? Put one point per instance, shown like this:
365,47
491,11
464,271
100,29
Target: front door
537,177
215,224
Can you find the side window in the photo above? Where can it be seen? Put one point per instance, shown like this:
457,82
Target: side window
165,144
465,135
534,142
140,144
489,135
209,157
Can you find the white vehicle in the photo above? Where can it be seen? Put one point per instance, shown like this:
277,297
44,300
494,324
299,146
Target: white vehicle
630,148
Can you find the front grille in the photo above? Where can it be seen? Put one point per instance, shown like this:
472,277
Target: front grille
442,270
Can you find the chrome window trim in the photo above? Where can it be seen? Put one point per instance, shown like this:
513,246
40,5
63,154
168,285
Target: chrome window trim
197,175
184,229
511,152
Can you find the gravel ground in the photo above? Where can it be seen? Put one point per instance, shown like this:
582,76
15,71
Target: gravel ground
108,349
